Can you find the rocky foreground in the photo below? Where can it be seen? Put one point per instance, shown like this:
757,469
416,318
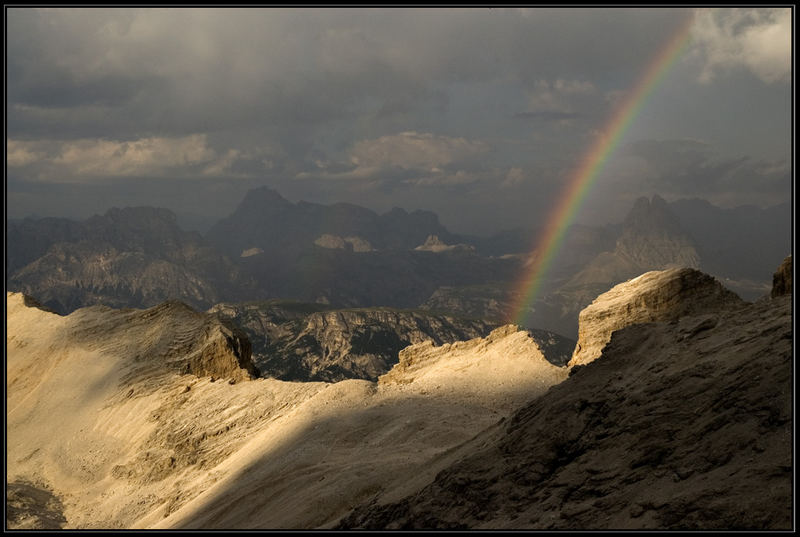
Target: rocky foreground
156,419
685,424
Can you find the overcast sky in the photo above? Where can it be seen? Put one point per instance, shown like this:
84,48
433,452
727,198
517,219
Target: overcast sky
477,114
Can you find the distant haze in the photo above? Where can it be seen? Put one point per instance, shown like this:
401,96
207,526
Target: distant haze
476,114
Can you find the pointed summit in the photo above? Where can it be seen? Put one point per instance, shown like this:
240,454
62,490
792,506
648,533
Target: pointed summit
653,238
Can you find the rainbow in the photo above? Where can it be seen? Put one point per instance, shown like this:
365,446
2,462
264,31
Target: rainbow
583,177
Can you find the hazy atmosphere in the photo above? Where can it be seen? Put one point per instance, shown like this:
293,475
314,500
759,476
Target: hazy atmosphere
477,114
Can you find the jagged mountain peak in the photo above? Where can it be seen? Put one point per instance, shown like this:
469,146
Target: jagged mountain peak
652,237
649,216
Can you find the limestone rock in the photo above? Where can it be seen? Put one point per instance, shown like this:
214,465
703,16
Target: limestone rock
251,252
170,337
335,242
506,357
434,244
782,279
654,296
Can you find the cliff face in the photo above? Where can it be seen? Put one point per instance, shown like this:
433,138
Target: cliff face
653,296
681,424
293,342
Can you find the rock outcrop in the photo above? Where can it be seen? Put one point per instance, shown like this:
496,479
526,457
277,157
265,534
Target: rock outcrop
782,279
654,296
434,244
504,360
114,413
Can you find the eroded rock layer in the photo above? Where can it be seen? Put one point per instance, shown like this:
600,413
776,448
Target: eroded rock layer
654,296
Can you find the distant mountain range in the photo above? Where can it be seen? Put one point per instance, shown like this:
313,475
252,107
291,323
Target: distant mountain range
739,246
351,257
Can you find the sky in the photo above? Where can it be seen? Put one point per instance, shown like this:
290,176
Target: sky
477,114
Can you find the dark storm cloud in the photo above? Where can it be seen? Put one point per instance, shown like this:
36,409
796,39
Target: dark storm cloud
352,105
234,68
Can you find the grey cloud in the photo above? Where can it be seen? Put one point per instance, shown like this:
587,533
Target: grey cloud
284,96
688,168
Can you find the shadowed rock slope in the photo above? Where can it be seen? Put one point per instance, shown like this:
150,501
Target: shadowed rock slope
677,425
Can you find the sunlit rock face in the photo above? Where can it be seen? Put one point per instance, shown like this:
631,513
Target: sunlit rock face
250,252
434,244
782,279
654,296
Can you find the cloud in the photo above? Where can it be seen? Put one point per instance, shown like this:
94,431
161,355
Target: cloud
412,150
691,168
19,154
757,39
90,159
367,105
561,101
408,157
514,177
